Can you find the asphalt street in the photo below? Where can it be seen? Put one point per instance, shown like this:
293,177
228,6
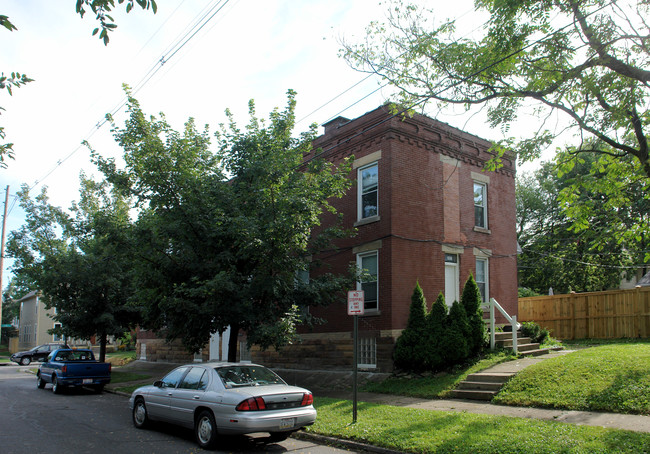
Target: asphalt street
36,421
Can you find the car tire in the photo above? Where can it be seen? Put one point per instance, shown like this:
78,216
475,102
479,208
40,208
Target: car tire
25,360
205,430
40,382
279,436
140,416
56,387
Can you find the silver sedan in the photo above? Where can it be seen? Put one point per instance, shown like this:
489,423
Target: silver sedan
224,398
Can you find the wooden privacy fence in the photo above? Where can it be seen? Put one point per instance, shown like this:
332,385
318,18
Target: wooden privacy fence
598,315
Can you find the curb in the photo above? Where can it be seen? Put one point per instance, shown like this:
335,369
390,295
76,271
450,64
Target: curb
356,446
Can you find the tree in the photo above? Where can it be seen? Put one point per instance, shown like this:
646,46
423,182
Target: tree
411,347
457,336
471,301
436,323
558,254
223,236
101,8
580,63
81,265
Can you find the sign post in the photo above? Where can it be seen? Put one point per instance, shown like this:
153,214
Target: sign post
355,308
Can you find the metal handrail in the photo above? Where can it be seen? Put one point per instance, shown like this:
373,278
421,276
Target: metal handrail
513,322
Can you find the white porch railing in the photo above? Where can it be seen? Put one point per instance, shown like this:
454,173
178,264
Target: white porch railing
511,319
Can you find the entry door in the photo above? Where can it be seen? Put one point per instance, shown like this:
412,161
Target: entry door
452,282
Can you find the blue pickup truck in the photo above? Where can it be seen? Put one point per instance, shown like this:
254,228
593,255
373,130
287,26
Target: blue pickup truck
73,367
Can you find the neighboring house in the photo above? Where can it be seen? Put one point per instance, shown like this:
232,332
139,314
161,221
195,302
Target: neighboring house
424,210
34,322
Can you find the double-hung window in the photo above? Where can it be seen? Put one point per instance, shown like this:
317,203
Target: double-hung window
368,191
480,205
368,264
482,278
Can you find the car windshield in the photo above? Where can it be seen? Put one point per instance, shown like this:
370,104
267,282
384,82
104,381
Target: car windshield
240,376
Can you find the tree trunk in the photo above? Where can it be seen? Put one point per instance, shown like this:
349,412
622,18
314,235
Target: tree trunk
232,343
102,347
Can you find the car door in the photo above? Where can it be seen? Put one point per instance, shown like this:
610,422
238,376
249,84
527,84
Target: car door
190,393
41,353
159,397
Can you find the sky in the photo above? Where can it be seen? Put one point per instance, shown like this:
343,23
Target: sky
249,49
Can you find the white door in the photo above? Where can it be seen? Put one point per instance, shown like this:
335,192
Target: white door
451,279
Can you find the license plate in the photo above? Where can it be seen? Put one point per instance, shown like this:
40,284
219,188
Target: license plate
287,423
88,381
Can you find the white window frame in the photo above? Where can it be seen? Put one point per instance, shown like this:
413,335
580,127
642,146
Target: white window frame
485,295
360,258
360,193
483,205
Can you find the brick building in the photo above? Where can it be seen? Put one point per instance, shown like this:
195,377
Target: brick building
424,211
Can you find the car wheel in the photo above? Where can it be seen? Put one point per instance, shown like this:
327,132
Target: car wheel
205,430
40,382
25,361
140,418
56,387
279,436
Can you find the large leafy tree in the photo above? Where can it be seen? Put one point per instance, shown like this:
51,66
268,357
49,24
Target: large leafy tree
223,236
102,10
559,254
579,64
80,264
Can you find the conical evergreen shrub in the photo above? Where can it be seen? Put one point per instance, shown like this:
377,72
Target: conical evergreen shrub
436,322
471,301
411,347
456,335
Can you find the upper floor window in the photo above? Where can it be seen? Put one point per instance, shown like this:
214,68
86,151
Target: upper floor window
480,205
368,264
368,182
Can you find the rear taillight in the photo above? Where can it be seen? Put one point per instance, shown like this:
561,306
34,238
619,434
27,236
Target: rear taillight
110,367
307,399
64,369
252,404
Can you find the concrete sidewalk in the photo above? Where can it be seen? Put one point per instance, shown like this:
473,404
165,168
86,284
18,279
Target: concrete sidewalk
636,423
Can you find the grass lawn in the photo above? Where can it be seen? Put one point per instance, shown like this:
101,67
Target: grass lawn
437,386
123,377
611,378
120,358
418,431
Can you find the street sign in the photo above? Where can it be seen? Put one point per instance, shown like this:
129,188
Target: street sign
355,302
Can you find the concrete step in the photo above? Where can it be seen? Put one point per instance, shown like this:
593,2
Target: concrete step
479,386
522,348
473,395
536,352
489,377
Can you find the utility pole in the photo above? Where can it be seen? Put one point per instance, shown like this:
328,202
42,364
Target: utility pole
2,254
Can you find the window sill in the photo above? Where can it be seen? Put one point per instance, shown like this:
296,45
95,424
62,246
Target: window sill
371,313
365,221
482,230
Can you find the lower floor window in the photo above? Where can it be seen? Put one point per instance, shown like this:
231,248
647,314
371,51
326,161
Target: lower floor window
367,352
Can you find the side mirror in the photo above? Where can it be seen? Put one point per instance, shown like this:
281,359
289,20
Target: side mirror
158,384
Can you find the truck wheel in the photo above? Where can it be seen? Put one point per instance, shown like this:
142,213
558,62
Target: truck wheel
140,418
205,430
25,361
40,382
56,387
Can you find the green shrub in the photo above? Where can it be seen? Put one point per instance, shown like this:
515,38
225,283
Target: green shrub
536,333
436,323
471,301
456,336
411,347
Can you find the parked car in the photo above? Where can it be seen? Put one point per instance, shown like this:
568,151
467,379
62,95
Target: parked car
39,353
224,398
73,367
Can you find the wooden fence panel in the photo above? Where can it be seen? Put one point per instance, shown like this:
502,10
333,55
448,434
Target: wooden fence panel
599,315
